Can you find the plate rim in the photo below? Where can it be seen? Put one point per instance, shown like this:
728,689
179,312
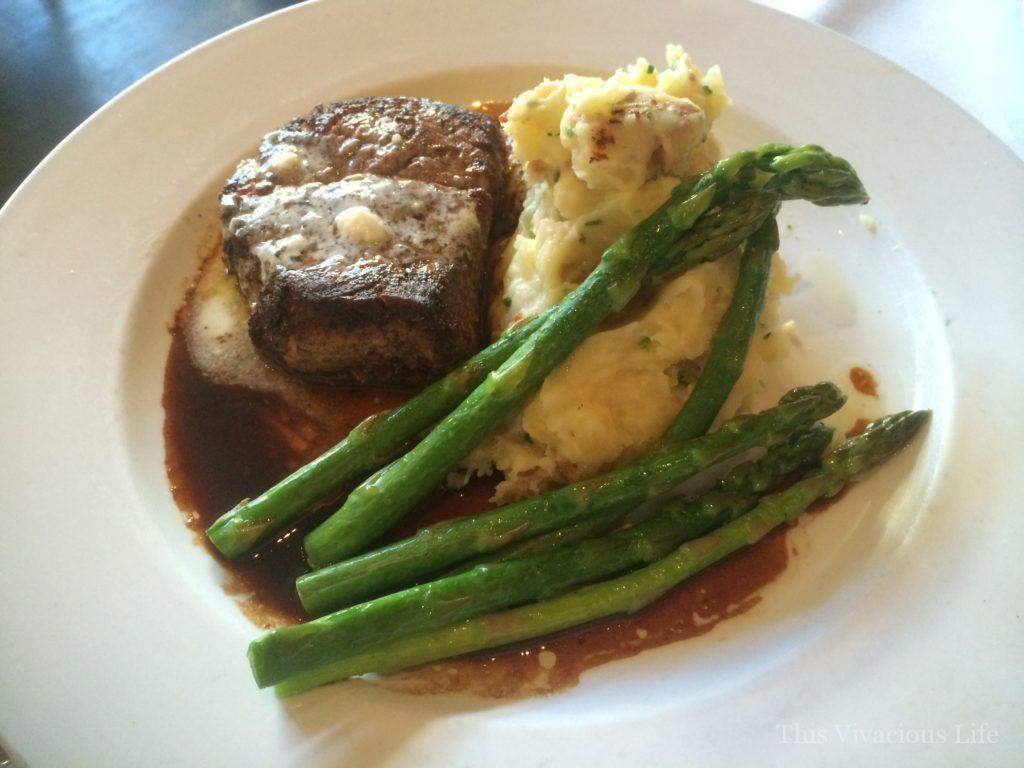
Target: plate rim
14,202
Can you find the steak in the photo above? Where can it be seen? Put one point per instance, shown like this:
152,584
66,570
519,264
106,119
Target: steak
360,233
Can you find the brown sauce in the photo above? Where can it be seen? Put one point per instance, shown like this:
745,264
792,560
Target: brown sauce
823,505
858,427
694,608
226,443
863,381
229,443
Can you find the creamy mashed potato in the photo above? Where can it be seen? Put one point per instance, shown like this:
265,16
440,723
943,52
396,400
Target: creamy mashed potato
599,156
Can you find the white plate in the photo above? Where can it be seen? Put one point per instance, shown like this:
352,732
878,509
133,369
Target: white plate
902,611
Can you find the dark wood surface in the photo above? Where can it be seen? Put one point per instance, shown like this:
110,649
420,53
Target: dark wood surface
60,61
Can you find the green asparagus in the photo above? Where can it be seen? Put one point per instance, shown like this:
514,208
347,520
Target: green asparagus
383,499
372,443
731,340
277,655
440,546
729,347
633,591
589,528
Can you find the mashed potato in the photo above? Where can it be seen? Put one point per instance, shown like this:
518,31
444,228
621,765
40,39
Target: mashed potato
599,156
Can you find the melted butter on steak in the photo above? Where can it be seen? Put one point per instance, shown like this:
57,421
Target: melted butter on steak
393,136
360,233
294,228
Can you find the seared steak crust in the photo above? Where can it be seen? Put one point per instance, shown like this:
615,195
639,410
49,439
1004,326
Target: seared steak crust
392,295
390,331
396,136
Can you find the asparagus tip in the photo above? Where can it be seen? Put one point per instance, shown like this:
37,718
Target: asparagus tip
883,438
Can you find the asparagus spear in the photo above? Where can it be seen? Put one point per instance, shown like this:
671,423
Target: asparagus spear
277,655
378,439
729,347
383,499
633,591
592,527
788,173
731,340
440,546
371,443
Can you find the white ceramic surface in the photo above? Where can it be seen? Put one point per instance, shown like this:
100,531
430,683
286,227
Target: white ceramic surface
972,52
898,621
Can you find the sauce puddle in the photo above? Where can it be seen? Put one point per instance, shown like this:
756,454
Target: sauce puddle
694,608
863,381
858,427
227,443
